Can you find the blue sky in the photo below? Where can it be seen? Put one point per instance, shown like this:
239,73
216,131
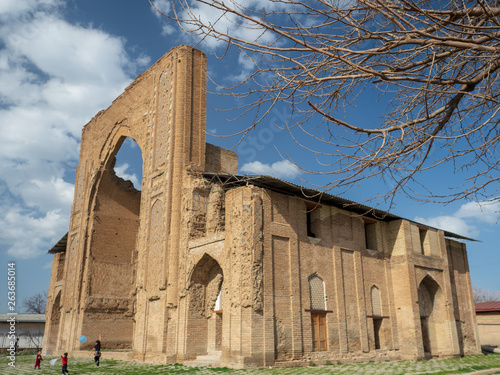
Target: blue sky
63,61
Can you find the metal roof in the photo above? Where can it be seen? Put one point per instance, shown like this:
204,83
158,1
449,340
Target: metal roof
488,306
36,318
316,196
60,246
229,181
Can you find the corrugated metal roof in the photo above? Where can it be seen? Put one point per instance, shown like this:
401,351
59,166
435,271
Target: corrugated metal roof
40,318
60,246
284,187
488,306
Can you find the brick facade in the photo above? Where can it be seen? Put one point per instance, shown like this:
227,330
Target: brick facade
193,265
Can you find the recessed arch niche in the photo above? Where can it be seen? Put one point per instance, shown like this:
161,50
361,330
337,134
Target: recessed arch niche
204,331
432,316
109,309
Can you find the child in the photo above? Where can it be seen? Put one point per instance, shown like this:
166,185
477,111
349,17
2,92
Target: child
65,363
38,360
97,352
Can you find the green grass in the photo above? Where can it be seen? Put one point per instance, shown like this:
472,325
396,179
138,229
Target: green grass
81,366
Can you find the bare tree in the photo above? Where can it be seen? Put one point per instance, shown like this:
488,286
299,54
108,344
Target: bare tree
431,65
35,304
34,339
485,295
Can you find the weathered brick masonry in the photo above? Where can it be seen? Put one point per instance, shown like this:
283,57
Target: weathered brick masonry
204,261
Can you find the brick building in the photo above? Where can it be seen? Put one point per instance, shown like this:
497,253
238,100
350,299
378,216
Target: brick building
242,271
488,323
29,329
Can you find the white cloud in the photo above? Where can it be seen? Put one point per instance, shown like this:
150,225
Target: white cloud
163,6
488,212
246,64
55,76
468,219
280,169
48,195
28,236
15,7
121,171
229,23
451,224
167,29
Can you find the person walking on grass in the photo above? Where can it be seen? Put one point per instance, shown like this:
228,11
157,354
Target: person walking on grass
65,363
97,352
38,360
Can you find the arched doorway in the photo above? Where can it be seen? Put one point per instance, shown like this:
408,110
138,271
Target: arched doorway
204,328
432,315
109,306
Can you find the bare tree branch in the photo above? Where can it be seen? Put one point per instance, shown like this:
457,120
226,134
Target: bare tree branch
436,64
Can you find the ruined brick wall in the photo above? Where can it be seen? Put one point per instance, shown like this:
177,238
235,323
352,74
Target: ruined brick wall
53,307
108,308
220,160
116,271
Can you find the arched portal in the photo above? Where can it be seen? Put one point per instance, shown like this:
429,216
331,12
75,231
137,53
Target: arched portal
204,328
109,306
432,315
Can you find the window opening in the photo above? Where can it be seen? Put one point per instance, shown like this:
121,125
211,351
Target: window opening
128,165
423,234
370,235
218,301
313,219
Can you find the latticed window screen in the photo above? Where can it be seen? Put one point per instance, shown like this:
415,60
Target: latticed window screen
376,306
317,292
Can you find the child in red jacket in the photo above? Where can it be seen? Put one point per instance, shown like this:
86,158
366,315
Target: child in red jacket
65,363
38,360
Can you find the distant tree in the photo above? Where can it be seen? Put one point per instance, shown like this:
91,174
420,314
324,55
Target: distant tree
430,67
34,338
485,295
35,304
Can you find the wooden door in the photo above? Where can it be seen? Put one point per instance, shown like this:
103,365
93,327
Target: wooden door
318,320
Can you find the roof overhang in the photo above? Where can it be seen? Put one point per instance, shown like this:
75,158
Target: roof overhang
229,181
60,246
284,187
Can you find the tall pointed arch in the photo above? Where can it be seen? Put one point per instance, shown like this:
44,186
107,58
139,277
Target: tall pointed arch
111,263
204,328
432,315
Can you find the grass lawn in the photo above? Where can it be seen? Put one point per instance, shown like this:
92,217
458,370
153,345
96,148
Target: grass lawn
24,365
